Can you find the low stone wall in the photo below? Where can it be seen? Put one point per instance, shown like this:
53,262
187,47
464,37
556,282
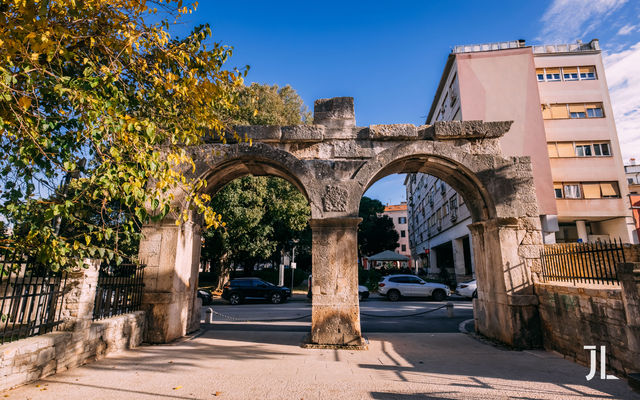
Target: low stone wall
79,339
576,316
26,360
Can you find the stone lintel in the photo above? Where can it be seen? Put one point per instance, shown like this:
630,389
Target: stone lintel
451,130
393,132
335,222
259,133
303,133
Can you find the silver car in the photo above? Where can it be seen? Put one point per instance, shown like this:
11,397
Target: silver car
396,286
467,289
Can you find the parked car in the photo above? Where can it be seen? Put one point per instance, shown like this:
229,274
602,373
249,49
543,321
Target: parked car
237,290
363,291
467,289
206,296
395,287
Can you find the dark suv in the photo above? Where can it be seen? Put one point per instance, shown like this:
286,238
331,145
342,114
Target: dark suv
237,290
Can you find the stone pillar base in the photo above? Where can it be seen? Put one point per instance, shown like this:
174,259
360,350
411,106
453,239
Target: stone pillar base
307,344
516,324
335,319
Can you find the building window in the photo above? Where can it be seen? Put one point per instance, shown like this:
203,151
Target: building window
566,74
572,191
570,73
601,149
577,111
404,247
587,73
578,149
583,150
403,233
557,187
572,111
587,190
552,74
453,202
594,110
402,220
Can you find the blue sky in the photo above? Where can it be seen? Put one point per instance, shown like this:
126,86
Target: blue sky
389,55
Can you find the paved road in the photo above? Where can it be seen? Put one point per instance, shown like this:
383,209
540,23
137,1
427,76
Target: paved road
377,315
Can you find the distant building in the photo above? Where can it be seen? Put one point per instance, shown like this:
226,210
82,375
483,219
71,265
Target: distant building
398,213
558,100
632,172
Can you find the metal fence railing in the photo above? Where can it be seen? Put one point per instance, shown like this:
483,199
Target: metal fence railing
582,262
119,290
30,297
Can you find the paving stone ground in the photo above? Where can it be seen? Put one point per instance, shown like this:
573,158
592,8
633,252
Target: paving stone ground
272,365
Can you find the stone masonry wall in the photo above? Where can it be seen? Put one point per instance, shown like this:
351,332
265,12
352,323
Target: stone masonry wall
80,340
33,358
573,317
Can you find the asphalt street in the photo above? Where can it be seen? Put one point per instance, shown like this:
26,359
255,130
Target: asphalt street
377,315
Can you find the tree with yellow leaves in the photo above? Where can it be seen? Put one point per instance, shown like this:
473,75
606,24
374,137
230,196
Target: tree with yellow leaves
96,102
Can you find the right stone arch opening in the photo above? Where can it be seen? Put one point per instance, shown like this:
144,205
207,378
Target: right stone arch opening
505,229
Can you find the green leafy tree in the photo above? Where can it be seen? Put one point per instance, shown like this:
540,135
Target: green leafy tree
261,104
262,215
376,232
97,103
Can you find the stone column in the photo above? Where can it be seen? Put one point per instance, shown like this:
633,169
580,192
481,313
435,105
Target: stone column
171,253
629,276
335,316
79,297
581,227
506,308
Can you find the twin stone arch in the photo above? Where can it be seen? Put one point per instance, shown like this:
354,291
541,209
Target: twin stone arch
333,165
427,157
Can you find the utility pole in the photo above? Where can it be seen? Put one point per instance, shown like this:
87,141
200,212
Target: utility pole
281,270
293,265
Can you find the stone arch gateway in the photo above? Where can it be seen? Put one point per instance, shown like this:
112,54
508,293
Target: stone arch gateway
333,163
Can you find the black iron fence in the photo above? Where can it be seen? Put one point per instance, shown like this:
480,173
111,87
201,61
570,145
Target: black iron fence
31,297
582,262
119,290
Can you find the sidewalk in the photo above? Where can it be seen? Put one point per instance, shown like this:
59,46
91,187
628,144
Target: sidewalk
257,365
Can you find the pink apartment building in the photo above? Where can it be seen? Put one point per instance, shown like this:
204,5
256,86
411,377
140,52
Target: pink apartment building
558,100
398,213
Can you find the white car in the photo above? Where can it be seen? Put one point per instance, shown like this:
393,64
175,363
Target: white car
467,289
396,286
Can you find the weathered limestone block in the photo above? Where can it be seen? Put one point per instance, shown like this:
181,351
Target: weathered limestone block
393,132
468,130
336,312
259,133
303,133
337,115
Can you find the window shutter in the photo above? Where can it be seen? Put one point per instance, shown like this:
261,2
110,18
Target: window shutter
577,108
566,150
553,151
570,70
610,189
559,111
591,190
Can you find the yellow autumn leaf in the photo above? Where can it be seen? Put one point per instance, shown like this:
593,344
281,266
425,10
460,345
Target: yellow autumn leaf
177,387
25,102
